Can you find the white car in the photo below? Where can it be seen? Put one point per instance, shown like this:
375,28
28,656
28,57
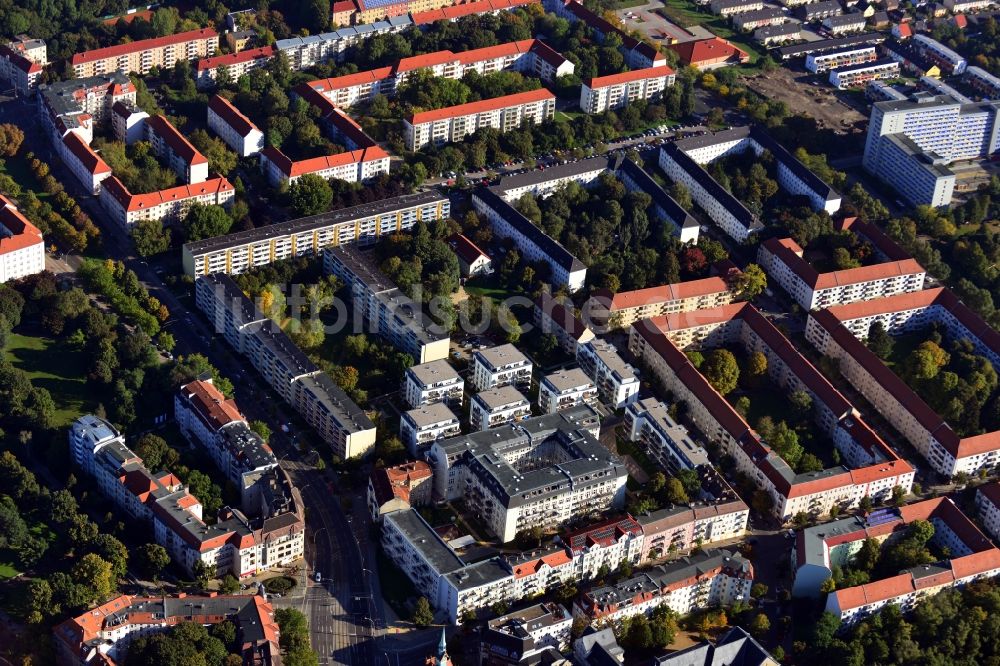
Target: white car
318,577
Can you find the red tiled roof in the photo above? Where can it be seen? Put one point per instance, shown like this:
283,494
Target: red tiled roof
707,51
350,80
142,45
85,154
561,315
467,9
904,30
653,72
481,106
466,250
173,138
230,59
312,165
556,559
231,115
211,404
145,15
625,300
341,6
19,60
133,202
23,233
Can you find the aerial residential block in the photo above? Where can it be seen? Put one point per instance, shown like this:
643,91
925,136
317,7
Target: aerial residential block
497,407
21,63
617,90
435,381
941,55
128,122
142,55
506,473
323,404
623,308
233,127
837,332
779,33
869,466
760,18
731,7
666,441
617,382
858,76
171,147
982,81
454,123
169,205
526,634
399,488
22,247
421,426
564,389
844,24
557,318
817,63
234,65
503,365
384,308
606,543
894,272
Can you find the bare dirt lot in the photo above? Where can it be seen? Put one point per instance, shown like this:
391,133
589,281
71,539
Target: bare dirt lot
832,108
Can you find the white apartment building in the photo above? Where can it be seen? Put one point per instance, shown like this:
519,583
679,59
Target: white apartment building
617,382
384,308
454,123
421,426
988,507
233,127
607,543
504,474
732,7
895,273
324,405
624,308
22,247
982,81
128,122
533,243
34,50
704,579
859,76
559,319
307,236
533,629
171,147
949,61
666,441
760,18
564,389
170,205
234,65
504,365
497,407
21,70
617,90
869,466
436,381
817,63
911,143
82,161
837,333
141,56
963,6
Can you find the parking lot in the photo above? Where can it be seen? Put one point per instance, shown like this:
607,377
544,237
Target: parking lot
654,26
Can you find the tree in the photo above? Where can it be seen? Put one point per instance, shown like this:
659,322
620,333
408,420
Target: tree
229,585
262,429
11,138
751,282
925,362
156,454
310,195
638,633
206,221
221,160
721,370
150,237
760,625
113,552
898,496
423,616
756,369
674,492
880,342
152,559
202,574
758,591
94,576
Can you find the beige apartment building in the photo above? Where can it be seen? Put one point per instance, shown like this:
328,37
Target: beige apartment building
143,55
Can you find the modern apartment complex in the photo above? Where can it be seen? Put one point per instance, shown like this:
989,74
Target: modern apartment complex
235,544
503,365
497,407
421,426
504,474
103,634
945,58
870,467
141,56
682,161
524,635
21,63
22,247
859,76
911,143
233,127
564,389
893,271
384,308
435,381
614,91
666,441
454,123
323,404
817,63
838,333
617,382
307,236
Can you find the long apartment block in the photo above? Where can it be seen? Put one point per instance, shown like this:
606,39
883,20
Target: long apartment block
234,64
235,544
624,308
307,236
233,127
870,468
614,91
982,81
168,205
859,76
666,441
683,160
141,56
454,123
893,272
818,63
323,404
528,56
838,332
173,148
911,143
384,308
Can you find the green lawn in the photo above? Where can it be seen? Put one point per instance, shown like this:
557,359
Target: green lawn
489,287
53,366
8,571
18,169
